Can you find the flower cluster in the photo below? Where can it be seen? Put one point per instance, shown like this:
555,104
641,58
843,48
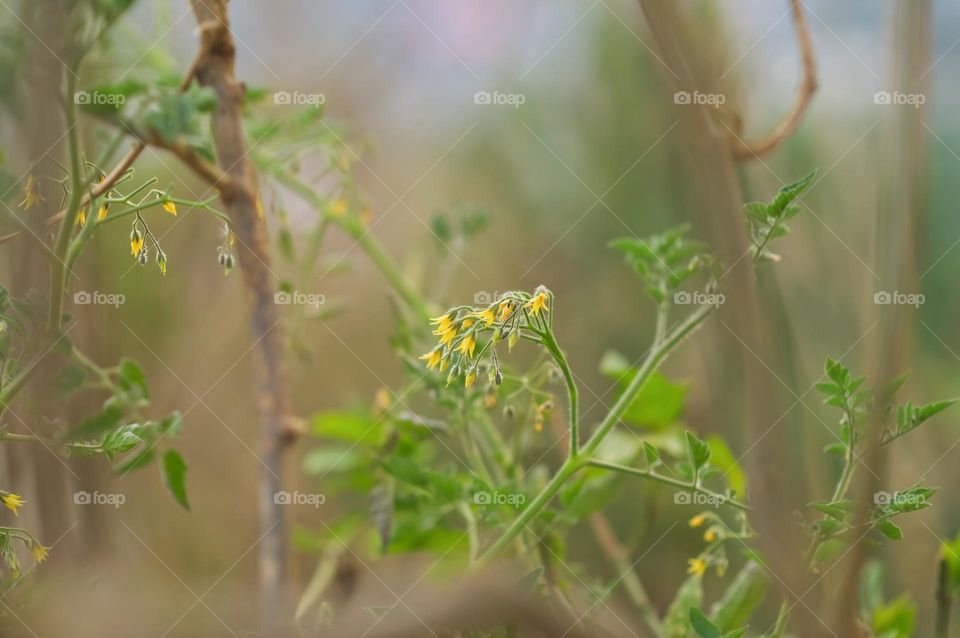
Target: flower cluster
14,502
469,335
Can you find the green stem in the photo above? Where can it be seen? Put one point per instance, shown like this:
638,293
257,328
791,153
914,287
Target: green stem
550,343
783,616
944,600
667,480
58,269
657,354
374,249
568,469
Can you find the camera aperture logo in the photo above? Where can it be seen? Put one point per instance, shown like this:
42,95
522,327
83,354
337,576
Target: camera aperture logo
98,498
716,100
516,100
299,498
698,498
514,499
97,298
97,98
296,98
911,499
898,98
297,298
698,298
896,298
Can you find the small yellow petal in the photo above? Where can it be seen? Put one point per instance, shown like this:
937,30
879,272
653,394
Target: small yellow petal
710,536
697,520
102,213
12,501
82,218
170,207
339,207
39,552
471,377
697,566
259,208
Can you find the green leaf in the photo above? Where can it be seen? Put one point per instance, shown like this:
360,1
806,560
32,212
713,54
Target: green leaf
331,459
347,426
703,627
889,529
175,476
676,623
652,455
742,597
723,459
896,619
120,440
135,462
91,427
132,379
698,451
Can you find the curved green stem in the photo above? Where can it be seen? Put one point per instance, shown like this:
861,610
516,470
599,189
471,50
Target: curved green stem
573,418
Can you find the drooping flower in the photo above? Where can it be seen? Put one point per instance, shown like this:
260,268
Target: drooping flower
505,309
471,377
487,316
468,345
697,520
30,195
39,552
710,536
136,242
82,217
162,261
170,207
538,303
102,213
432,358
697,566
339,207
12,501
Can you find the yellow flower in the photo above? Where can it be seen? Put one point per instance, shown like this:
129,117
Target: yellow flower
468,345
170,207
506,308
259,208
697,520
444,364
82,217
697,566
432,358
162,261
710,536
538,426
39,552
466,323
443,321
339,207
102,213
447,335
471,377
487,316
12,501
136,244
381,399
30,195
538,303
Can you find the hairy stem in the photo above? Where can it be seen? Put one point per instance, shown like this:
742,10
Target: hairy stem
573,418
667,480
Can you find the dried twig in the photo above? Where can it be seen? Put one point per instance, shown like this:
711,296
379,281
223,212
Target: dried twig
215,69
743,150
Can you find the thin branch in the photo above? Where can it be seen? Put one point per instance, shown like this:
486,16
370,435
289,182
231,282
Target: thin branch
743,150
